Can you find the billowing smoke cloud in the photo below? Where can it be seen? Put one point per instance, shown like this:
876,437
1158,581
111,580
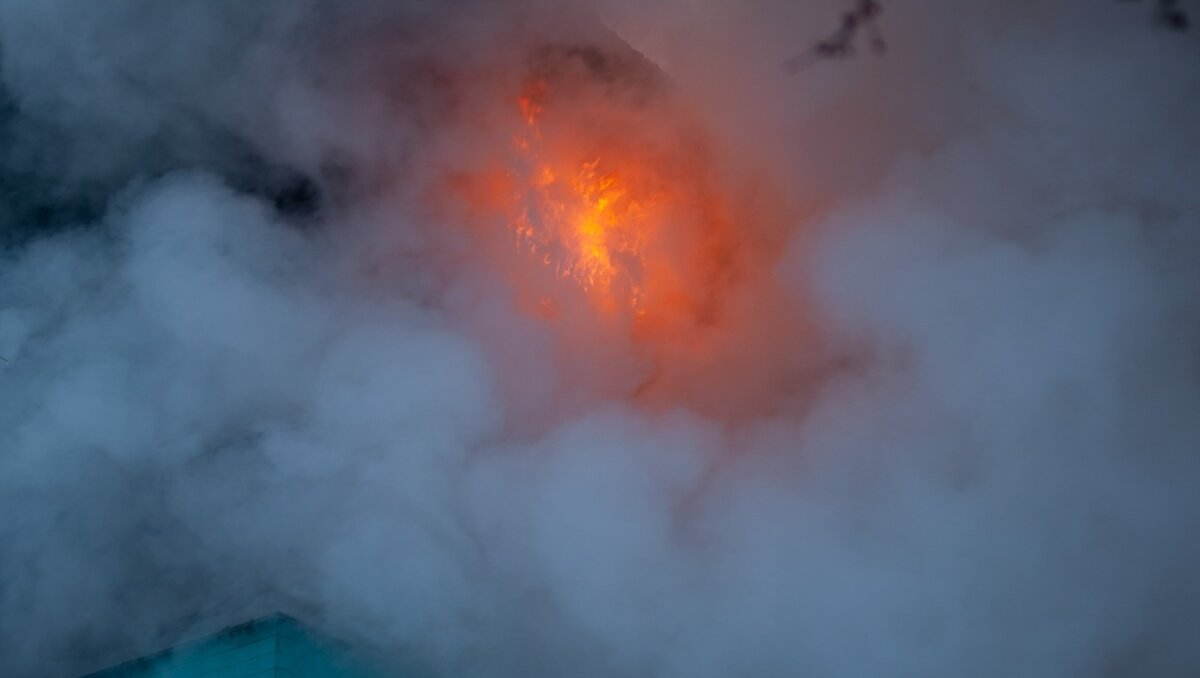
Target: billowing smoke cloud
928,406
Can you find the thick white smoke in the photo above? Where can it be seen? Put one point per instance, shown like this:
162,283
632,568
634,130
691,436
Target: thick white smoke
949,423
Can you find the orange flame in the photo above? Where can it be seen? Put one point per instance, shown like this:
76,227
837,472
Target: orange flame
586,220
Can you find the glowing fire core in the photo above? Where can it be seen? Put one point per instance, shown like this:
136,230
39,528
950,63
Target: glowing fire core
587,220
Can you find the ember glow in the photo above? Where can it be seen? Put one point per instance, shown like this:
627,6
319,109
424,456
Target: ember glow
607,212
618,202
586,220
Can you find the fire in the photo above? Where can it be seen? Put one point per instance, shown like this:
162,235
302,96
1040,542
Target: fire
610,202
591,221
615,219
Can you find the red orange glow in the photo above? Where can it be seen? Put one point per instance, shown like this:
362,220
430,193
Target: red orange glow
587,220
613,210
618,220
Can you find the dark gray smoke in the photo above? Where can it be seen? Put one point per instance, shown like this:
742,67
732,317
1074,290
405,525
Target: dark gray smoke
934,411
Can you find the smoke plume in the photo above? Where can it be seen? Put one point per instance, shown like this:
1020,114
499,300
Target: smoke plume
888,368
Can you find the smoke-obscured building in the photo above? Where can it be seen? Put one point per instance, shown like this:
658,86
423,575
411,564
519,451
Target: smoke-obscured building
277,646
